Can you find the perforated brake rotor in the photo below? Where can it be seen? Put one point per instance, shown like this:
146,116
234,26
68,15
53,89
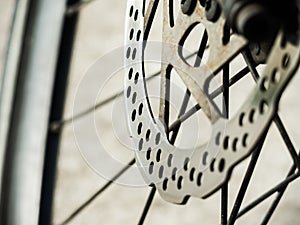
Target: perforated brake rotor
178,173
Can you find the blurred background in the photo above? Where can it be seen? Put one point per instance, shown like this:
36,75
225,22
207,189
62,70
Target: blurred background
101,32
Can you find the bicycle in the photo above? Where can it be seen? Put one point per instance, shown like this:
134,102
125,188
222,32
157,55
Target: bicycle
214,112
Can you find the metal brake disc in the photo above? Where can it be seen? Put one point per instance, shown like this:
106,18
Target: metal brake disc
199,172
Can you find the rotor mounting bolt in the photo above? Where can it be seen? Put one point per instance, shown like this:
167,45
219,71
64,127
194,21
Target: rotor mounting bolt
188,6
212,10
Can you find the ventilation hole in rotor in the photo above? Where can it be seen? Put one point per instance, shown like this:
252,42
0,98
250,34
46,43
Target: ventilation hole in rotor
136,77
241,119
263,106
264,86
205,158
285,61
141,142
138,35
148,135
133,53
192,172
140,126
186,163
199,178
133,115
128,52
158,155
148,153
128,92
130,74
218,137
226,142
136,15
165,184
252,116
131,33
212,165
221,165
141,109
131,11
234,144
275,76
179,182
174,171
157,138
151,166
134,97
245,140
161,171
170,158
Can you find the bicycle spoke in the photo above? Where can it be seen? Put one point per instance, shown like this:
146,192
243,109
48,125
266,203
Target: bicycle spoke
95,195
75,8
251,64
171,13
147,206
56,125
226,90
214,94
280,188
224,203
287,140
181,112
164,108
201,49
277,120
275,203
149,18
187,95
224,189
248,175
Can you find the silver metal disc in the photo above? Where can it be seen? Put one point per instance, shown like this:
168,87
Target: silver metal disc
178,173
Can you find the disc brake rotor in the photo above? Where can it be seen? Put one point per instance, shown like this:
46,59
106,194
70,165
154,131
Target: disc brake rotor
178,173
